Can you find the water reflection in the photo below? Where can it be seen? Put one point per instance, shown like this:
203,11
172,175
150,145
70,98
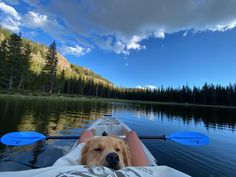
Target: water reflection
210,117
46,116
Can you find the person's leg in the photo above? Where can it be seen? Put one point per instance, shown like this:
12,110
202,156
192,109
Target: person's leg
87,134
138,157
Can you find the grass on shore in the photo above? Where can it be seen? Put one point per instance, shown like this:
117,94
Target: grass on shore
71,97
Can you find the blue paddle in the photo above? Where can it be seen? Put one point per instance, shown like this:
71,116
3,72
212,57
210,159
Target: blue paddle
25,138
185,138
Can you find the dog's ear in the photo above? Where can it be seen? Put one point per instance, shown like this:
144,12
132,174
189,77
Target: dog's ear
84,153
126,155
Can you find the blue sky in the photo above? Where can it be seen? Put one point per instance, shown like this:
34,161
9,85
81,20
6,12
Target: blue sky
135,43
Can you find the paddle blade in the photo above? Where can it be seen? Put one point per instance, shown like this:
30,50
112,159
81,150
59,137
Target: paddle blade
21,138
189,138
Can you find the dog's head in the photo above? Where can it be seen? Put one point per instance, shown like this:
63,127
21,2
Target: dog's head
106,151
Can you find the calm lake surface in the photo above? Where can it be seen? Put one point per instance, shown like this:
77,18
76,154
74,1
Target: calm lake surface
70,117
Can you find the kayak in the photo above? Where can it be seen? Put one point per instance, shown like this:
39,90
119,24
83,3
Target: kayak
143,162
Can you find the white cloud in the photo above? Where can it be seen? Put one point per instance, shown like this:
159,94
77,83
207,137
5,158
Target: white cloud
134,43
131,22
151,87
9,11
223,26
9,17
76,51
35,20
139,87
119,47
12,20
109,45
49,25
160,34
128,23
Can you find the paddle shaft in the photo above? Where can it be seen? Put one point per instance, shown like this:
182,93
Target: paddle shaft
77,137
62,137
163,137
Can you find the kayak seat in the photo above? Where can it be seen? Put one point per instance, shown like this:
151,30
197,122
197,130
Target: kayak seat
138,157
87,134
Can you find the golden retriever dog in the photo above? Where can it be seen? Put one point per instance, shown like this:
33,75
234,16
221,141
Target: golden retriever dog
109,151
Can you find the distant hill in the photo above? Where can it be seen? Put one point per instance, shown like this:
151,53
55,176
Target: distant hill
38,60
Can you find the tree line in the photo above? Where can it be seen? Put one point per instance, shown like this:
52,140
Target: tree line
16,73
208,94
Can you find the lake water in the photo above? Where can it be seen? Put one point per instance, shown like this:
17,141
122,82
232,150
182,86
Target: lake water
70,117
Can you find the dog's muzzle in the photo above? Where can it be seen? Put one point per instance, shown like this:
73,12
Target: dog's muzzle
112,159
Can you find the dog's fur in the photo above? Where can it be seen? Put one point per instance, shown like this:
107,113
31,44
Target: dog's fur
95,151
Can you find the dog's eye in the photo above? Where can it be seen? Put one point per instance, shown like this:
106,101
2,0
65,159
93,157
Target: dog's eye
117,149
98,149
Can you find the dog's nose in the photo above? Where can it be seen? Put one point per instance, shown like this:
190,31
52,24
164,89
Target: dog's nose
112,159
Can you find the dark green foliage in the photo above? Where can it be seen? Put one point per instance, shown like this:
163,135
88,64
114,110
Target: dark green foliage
3,63
50,69
207,94
13,59
60,83
24,66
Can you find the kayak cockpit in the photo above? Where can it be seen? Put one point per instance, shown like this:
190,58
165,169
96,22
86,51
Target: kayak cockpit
140,156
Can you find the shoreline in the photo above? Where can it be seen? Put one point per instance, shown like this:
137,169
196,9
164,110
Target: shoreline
90,98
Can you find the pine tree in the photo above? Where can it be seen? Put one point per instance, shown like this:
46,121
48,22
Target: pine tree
24,64
61,82
13,59
3,63
50,69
